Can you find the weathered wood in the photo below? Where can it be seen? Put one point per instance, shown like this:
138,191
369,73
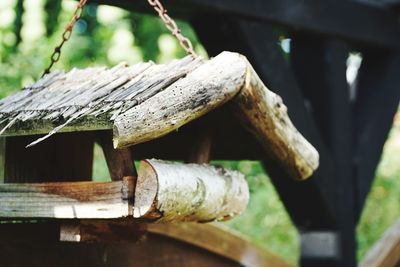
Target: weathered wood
201,151
211,237
169,252
219,240
386,251
119,161
265,115
215,82
87,99
168,191
2,158
116,231
67,199
202,90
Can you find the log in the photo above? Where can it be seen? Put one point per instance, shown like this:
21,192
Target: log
167,191
202,90
263,113
66,200
229,76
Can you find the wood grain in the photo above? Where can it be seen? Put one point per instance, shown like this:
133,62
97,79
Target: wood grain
118,238
67,200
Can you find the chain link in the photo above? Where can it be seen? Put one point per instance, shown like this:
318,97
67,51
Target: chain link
66,35
185,43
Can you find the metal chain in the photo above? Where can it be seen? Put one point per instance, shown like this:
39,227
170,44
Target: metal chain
171,25
66,35
185,43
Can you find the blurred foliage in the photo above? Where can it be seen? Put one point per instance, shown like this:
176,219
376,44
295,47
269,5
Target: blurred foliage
29,31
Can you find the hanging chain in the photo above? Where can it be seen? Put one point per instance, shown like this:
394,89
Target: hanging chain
171,25
66,35
158,7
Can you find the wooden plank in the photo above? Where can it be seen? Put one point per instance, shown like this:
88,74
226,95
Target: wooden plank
45,126
172,191
67,200
386,251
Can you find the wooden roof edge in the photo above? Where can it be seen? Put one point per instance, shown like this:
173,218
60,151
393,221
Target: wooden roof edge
226,77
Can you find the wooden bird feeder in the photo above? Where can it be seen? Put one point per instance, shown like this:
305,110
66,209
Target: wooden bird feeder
191,110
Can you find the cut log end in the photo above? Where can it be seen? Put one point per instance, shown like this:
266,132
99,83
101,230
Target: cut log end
146,192
168,191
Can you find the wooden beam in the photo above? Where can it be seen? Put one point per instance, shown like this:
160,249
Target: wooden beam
386,251
201,91
67,200
353,21
265,115
333,113
168,191
377,83
263,51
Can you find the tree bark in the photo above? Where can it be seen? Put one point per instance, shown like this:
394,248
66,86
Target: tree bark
202,90
168,191
264,114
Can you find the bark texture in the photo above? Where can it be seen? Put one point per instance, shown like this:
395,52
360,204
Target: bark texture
168,191
202,90
265,115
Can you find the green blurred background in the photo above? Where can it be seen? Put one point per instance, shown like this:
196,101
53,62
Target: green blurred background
29,31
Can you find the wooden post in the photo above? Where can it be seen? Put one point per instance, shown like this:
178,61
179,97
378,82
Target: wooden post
119,161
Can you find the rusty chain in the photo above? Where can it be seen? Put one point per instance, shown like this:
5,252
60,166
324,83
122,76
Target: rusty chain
171,25
66,35
185,43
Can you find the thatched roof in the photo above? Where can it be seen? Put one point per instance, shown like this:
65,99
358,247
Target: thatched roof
97,95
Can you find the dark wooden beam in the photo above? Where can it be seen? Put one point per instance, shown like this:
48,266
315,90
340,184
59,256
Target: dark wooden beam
377,102
350,20
260,44
323,81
